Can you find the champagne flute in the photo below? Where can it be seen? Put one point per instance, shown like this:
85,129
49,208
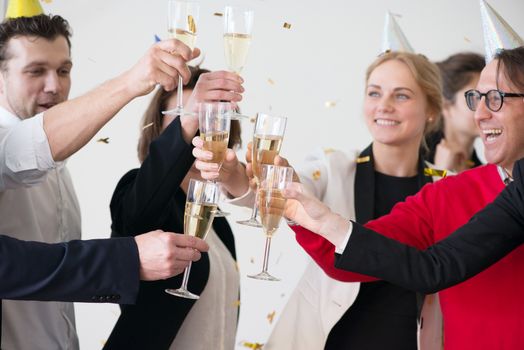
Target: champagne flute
267,140
214,124
201,205
238,26
182,17
271,203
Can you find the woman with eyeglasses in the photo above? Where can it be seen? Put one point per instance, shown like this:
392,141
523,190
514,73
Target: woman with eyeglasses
451,146
484,312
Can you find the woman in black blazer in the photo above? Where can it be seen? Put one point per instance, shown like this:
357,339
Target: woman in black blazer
154,196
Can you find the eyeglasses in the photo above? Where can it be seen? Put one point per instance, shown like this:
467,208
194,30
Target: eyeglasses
494,99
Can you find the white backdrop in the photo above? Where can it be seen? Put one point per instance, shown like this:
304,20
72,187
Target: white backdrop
321,58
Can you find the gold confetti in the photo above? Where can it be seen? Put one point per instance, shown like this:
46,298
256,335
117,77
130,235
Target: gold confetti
47,1
252,120
103,140
236,303
330,104
316,175
191,24
287,25
254,346
218,14
270,316
270,81
435,172
328,150
466,39
147,126
363,159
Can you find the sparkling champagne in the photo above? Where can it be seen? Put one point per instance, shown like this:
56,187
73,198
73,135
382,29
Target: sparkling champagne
216,142
184,36
271,208
236,47
198,218
265,149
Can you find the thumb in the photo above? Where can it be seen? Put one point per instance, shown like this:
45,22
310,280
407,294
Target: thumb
280,161
230,155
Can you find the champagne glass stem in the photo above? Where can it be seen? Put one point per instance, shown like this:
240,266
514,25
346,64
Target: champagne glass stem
252,221
266,254
186,276
180,94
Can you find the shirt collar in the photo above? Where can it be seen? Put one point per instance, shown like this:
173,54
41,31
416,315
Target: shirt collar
7,118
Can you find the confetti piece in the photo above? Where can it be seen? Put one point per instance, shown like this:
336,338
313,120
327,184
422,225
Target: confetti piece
92,60
218,14
191,24
252,120
435,172
363,159
147,126
287,25
282,295
466,39
157,38
48,1
316,175
270,316
254,346
270,81
330,104
252,260
236,303
103,140
236,266
328,150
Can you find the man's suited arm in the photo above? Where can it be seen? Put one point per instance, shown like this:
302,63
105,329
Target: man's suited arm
486,238
105,270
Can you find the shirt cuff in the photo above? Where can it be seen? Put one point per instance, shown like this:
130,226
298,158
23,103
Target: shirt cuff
339,249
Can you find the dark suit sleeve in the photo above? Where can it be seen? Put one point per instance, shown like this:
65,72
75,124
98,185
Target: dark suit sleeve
141,199
485,239
104,270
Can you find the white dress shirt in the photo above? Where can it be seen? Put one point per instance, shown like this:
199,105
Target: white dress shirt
38,203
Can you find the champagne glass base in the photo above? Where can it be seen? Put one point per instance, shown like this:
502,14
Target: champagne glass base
264,276
221,214
183,293
250,222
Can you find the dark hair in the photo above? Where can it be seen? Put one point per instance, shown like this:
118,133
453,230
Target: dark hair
457,71
151,125
44,26
512,62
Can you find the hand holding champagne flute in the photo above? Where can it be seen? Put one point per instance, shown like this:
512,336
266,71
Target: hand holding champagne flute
271,203
267,140
201,205
182,25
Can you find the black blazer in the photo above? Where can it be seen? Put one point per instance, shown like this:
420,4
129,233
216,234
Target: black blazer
146,199
103,270
489,236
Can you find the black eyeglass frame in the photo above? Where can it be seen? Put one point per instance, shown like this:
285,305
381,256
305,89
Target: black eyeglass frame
501,94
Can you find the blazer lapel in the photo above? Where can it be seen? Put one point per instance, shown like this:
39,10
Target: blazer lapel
365,187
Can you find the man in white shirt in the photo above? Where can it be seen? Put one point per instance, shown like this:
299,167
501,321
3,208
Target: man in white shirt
37,198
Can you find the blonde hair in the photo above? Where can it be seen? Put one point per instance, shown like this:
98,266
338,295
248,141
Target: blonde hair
427,76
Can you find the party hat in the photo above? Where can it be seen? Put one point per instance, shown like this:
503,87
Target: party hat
498,34
23,8
393,38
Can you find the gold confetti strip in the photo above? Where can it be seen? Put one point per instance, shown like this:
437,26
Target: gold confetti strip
218,14
47,1
147,126
236,303
252,120
466,39
103,140
254,346
330,104
316,175
363,159
287,25
435,172
191,24
328,150
270,316
270,81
